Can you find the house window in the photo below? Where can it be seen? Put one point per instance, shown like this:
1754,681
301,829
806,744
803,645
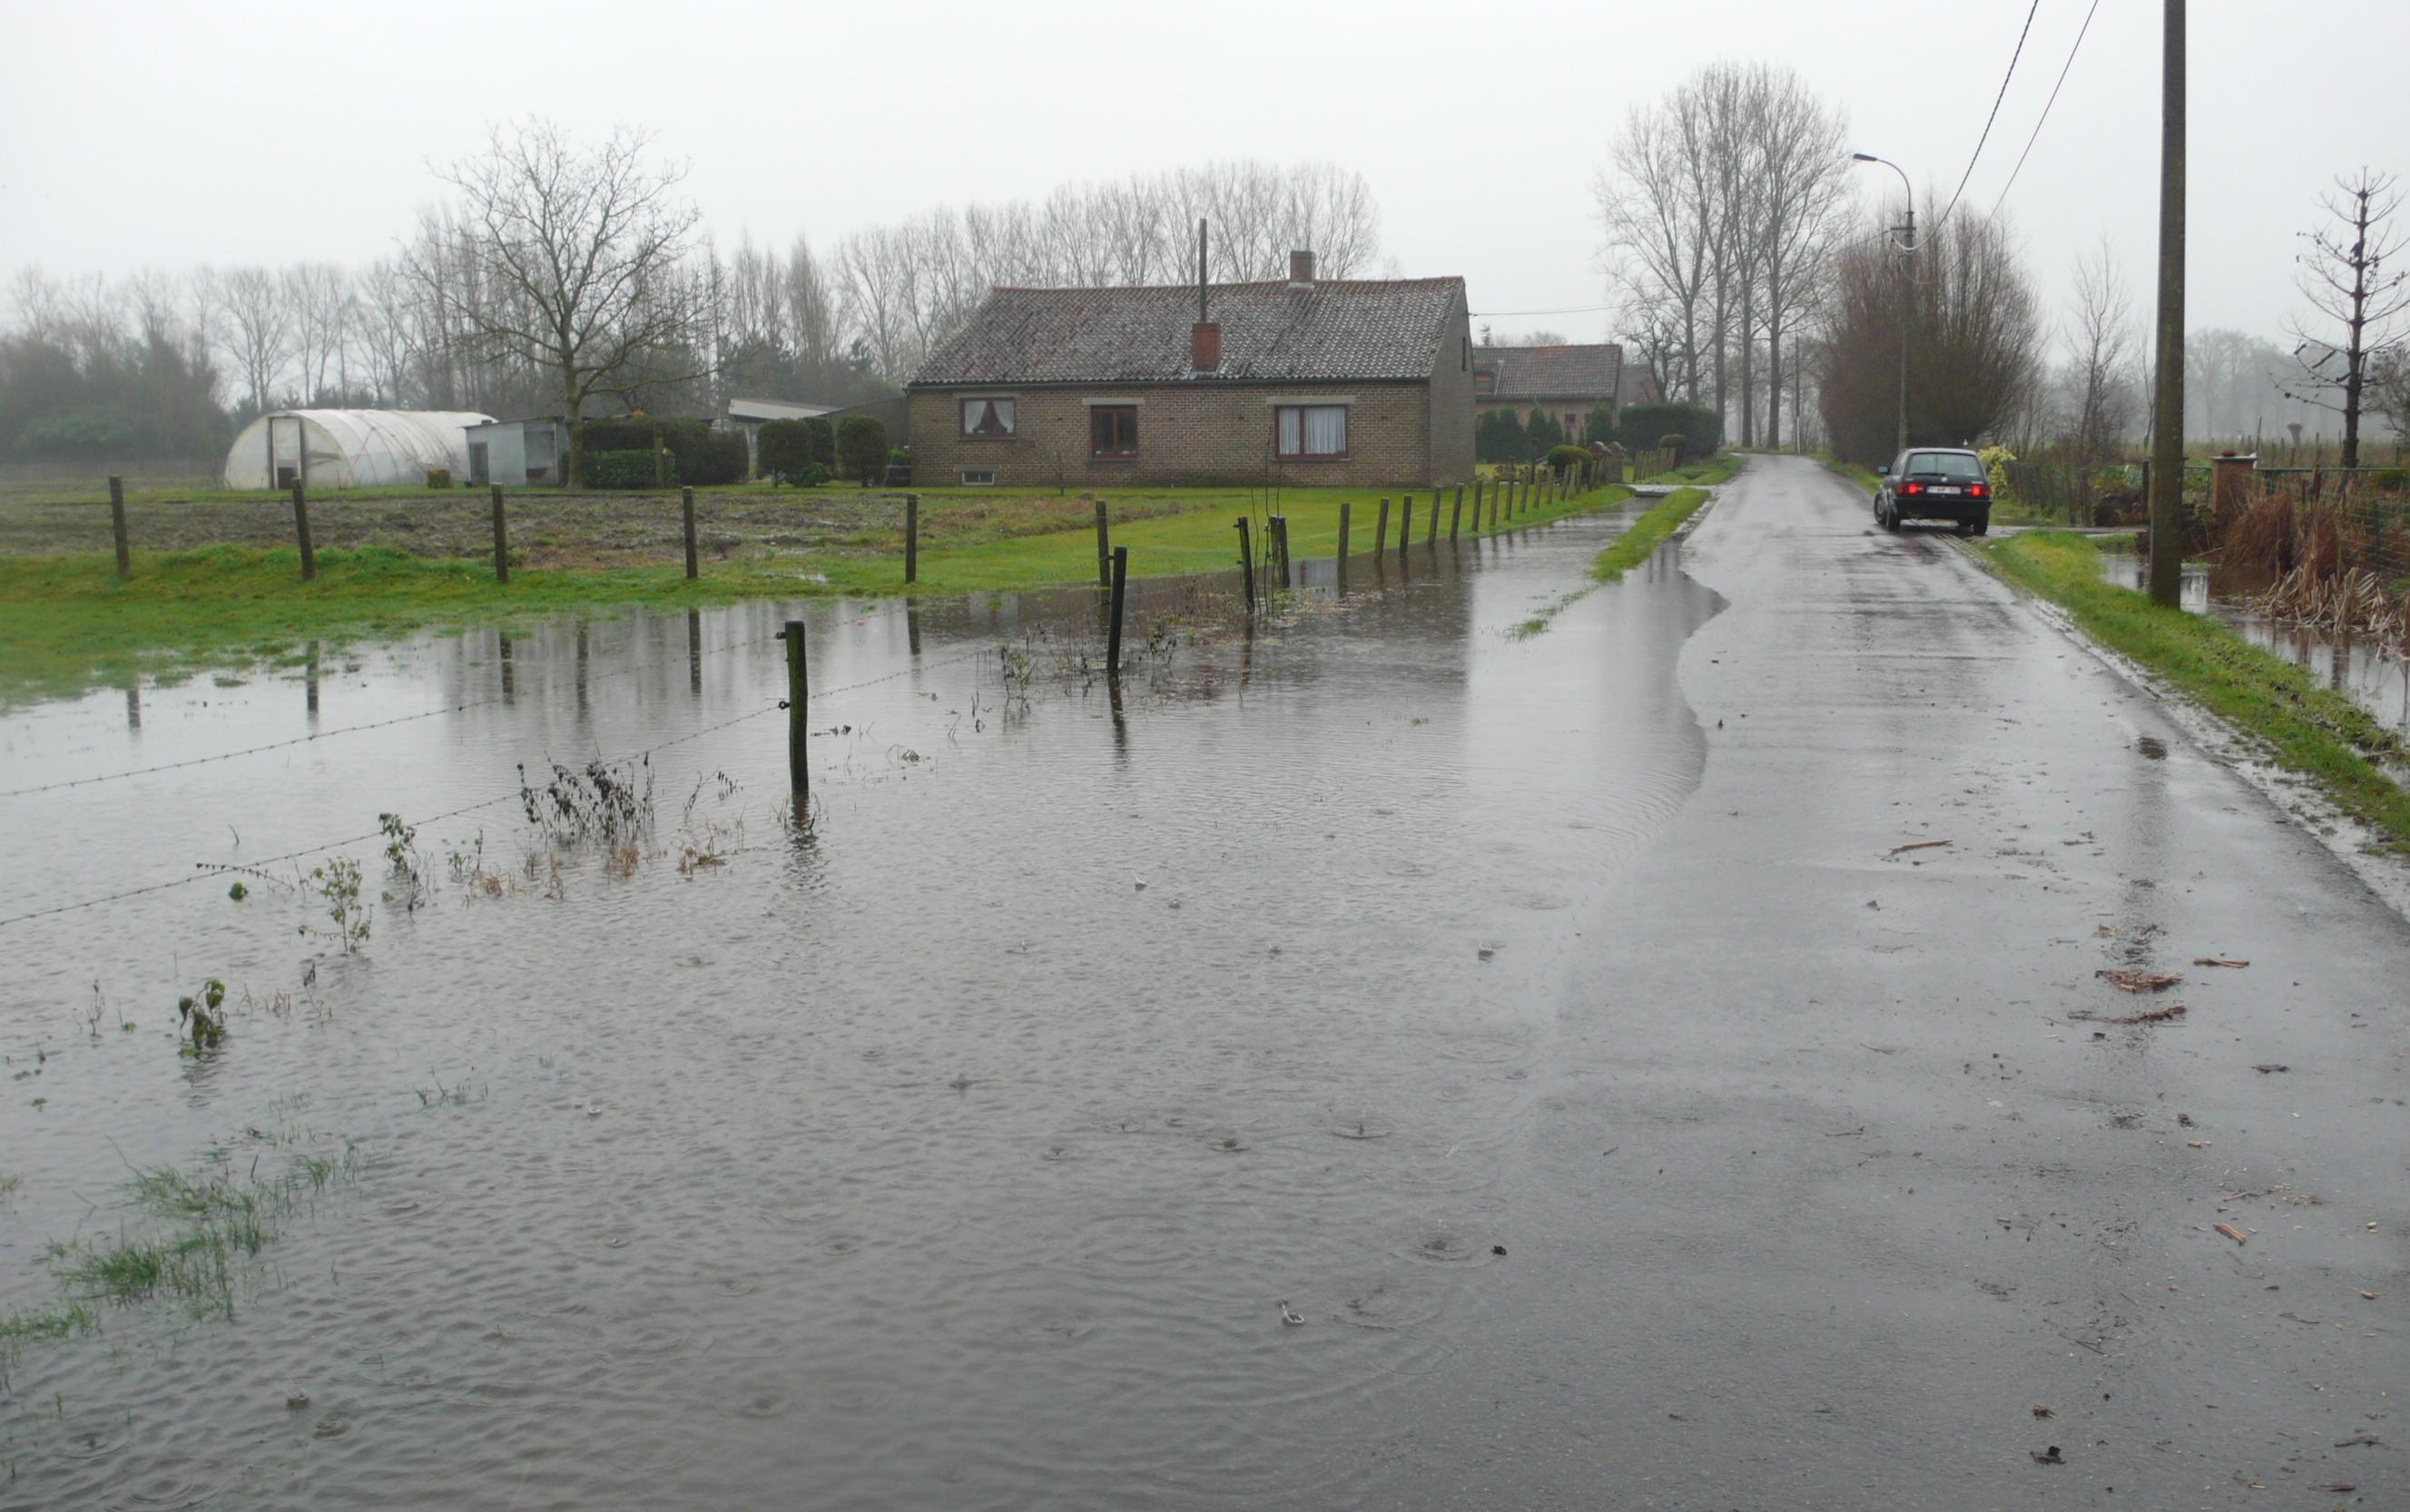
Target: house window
1112,430
978,477
990,419
1312,429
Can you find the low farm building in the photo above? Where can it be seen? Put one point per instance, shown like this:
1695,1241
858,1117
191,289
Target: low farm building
1299,381
1564,383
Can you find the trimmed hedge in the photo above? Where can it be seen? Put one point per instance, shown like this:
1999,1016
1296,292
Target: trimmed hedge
699,455
1646,425
798,451
624,470
861,449
1561,457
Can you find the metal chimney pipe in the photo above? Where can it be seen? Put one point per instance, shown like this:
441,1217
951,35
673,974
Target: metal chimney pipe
1201,316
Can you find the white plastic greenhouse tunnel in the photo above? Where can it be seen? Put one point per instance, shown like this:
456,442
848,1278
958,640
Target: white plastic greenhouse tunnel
350,448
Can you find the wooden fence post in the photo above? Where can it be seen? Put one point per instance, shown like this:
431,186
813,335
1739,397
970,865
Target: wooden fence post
1431,529
1405,524
1121,585
301,530
685,506
1279,524
799,771
1246,575
1343,535
1104,549
1456,511
912,538
116,525
1381,529
501,539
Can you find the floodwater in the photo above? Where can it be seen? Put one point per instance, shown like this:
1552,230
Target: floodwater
967,1153
2358,667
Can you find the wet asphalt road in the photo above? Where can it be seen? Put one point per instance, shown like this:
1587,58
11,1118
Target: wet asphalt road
1830,1186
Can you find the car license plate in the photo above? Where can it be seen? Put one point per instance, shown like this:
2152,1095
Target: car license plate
1944,487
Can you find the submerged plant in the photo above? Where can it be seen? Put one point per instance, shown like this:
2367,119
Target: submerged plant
203,1017
607,802
404,862
339,881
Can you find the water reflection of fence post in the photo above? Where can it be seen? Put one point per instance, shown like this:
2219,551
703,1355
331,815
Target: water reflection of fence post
1104,549
686,515
302,529
116,525
1381,529
799,770
1120,588
1246,575
912,538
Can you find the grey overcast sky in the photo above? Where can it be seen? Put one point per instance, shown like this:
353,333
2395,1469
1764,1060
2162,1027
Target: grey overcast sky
170,134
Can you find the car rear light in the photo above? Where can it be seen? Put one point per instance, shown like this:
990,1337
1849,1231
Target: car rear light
1979,491
1913,487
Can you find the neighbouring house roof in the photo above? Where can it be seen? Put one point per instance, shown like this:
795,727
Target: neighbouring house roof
742,411
1591,372
1274,332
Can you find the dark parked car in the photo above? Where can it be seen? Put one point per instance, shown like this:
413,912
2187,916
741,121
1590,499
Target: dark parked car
1934,483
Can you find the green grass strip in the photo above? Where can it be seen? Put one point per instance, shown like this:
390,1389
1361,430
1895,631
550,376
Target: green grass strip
2307,728
1647,535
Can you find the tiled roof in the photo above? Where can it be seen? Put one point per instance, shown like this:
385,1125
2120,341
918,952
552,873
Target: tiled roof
1529,372
1343,332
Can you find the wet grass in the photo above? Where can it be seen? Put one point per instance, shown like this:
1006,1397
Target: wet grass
2305,727
1647,535
67,623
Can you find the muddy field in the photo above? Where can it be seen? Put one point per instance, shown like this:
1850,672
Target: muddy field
561,529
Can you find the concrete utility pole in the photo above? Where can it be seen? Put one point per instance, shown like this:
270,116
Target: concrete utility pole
2167,415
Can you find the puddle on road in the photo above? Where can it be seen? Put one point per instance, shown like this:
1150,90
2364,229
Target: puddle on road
933,1158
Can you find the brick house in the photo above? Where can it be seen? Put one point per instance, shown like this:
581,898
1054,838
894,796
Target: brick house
1345,383
1564,382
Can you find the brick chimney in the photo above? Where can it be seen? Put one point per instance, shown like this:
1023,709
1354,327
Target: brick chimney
1205,345
1300,269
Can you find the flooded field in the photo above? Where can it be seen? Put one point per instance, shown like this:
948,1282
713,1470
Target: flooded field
2378,682
1101,1106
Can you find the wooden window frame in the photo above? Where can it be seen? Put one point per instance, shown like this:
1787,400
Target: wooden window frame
1123,414
1345,426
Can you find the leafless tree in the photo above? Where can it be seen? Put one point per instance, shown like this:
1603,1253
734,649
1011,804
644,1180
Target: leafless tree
2343,277
320,298
2101,356
577,253
252,323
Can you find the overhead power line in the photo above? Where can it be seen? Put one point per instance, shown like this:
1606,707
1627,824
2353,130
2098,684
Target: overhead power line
2045,109
1992,117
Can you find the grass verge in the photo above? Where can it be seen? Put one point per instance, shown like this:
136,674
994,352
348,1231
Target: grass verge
2306,728
67,623
1647,532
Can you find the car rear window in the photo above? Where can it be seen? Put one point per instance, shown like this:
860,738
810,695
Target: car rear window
1955,465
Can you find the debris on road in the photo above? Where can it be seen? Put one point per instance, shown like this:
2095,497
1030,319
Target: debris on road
2049,1456
2213,960
2368,1296
2232,1232
2148,1015
1916,845
2267,1065
2336,1488
2364,1441
2133,978
2044,1412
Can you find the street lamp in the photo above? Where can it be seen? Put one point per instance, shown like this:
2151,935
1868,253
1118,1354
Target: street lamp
1906,245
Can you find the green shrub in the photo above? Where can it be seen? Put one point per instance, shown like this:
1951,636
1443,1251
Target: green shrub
789,449
624,470
439,477
717,458
861,449
1542,431
2392,480
1561,457
1675,442
1497,437
1701,429
1600,425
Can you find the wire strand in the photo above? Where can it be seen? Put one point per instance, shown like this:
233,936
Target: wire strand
2045,109
1992,117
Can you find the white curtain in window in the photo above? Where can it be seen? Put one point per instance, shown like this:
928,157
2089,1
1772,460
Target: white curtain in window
1289,445
1326,431
987,416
